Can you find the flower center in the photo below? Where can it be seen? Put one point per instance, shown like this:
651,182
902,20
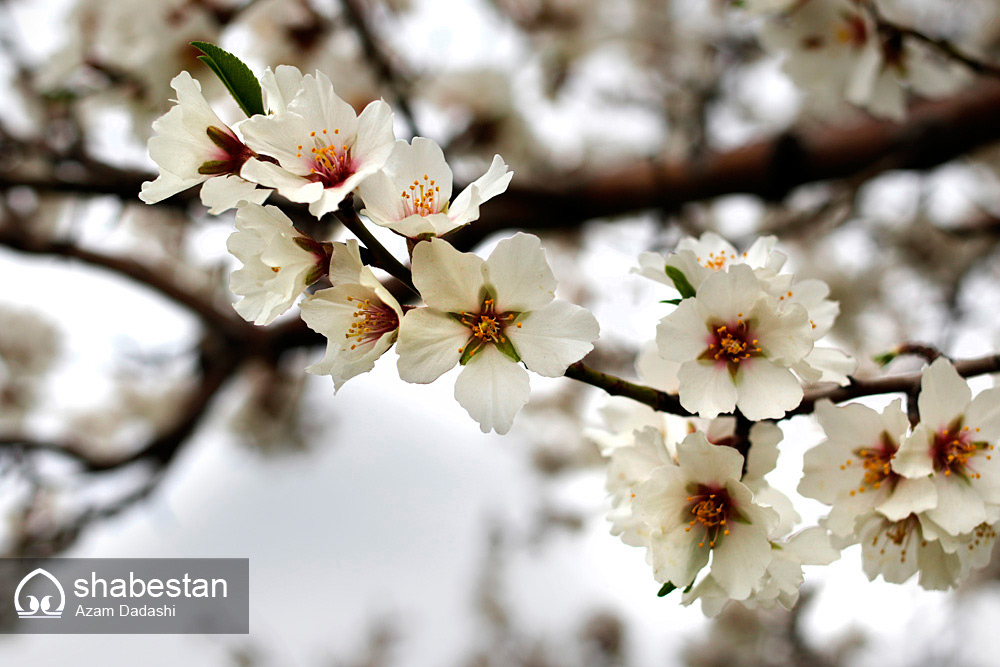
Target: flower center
716,262
954,446
732,344
330,161
876,463
486,326
372,320
710,507
852,31
422,198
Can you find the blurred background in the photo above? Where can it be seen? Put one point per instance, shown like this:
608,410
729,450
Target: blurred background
140,417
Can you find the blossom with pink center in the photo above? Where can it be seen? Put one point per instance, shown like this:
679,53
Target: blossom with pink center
852,469
322,148
736,347
953,446
899,549
358,316
192,146
411,195
489,316
700,508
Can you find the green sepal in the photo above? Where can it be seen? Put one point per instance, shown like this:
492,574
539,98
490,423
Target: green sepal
672,302
235,76
214,167
469,349
666,589
508,350
681,282
885,358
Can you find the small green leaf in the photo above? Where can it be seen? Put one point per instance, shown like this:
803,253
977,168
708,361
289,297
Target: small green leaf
680,282
235,75
672,302
666,589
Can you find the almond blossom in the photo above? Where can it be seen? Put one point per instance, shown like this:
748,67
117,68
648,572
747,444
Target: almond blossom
278,262
193,146
358,316
411,195
782,579
852,469
899,549
488,315
322,148
953,446
835,48
736,347
699,508
697,259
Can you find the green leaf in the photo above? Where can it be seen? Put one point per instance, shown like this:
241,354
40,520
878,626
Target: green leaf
235,75
666,589
680,282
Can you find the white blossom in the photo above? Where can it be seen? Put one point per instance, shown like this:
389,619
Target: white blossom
852,469
899,549
488,315
278,262
193,146
736,347
953,446
700,508
358,316
411,195
323,149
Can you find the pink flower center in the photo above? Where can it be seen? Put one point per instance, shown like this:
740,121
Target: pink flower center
732,343
954,446
372,320
876,462
330,161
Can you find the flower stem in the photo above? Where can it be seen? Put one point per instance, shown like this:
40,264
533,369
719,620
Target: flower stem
383,258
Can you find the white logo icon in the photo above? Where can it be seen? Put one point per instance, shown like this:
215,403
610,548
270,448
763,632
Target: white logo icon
39,608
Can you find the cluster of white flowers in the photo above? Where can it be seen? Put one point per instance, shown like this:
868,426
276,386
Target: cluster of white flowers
835,48
700,501
489,316
925,499
740,342
743,333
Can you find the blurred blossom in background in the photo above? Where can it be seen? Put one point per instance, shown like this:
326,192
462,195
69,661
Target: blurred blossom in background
382,526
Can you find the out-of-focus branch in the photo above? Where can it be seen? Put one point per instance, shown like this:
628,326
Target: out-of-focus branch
386,67
13,238
935,132
943,46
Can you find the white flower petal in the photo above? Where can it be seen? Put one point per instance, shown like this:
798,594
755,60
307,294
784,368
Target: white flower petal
447,279
222,193
706,388
492,388
766,390
944,395
519,274
430,343
548,340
